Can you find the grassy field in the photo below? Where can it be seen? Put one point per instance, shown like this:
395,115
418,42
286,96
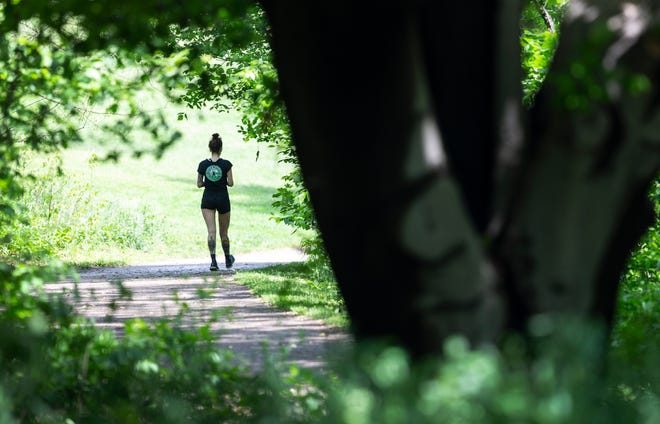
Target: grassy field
164,191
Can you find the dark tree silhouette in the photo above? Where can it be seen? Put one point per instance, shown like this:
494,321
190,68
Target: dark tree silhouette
513,213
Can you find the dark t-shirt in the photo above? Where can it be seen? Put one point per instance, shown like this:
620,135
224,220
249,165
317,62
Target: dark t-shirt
215,174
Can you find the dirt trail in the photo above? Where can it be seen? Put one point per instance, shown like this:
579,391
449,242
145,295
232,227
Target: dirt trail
246,326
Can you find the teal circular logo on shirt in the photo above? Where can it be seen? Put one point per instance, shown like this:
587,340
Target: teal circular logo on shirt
213,173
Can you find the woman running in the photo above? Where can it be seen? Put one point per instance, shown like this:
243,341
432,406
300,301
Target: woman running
214,175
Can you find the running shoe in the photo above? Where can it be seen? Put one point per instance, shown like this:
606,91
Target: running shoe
229,261
214,266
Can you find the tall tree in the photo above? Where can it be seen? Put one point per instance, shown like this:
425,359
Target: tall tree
445,208
436,193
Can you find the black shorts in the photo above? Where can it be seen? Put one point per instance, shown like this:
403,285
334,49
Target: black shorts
216,200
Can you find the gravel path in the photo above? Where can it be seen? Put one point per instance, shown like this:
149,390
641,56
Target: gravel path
247,325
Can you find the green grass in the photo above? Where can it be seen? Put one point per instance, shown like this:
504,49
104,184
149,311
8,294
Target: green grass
294,287
166,190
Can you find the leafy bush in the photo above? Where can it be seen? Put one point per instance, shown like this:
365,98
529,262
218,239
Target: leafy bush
636,335
538,49
55,367
58,214
563,383
538,43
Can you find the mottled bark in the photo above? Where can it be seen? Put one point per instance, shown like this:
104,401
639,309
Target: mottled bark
593,150
478,229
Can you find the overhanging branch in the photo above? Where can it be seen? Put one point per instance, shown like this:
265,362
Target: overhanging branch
549,22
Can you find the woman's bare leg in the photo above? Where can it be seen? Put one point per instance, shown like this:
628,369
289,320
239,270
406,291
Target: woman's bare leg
209,218
223,224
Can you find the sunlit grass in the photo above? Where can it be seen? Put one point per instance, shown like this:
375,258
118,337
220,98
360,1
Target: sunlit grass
293,287
167,188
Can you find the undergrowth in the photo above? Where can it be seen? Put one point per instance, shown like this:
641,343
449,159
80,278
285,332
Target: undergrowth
64,216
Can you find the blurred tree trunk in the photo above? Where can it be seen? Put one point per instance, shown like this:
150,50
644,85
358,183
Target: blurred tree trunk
508,213
592,151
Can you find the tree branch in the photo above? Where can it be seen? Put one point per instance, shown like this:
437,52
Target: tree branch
549,22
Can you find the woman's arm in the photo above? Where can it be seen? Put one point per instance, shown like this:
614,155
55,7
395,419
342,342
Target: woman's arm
200,180
230,179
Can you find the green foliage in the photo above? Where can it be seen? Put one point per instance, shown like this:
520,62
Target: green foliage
538,49
246,79
59,367
50,93
538,44
636,338
293,203
563,383
59,214
237,78
65,62
55,367
317,257
157,373
94,27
